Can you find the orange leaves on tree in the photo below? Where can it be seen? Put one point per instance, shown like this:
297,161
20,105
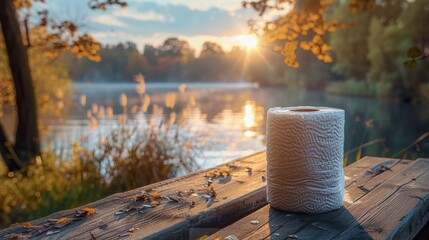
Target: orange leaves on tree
53,37
289,53
304,27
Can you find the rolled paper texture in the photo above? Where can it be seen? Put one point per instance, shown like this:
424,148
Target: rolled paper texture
305,148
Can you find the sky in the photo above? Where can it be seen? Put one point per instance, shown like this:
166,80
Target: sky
152,21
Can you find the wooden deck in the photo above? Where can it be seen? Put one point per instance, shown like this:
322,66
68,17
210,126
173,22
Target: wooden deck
385,198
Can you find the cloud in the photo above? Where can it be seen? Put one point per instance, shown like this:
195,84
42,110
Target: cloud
108,20
141,16
151,18
145,21
229,5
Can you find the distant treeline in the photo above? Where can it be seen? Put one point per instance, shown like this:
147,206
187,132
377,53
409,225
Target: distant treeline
175,61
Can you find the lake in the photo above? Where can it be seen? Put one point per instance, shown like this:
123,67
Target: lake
229,119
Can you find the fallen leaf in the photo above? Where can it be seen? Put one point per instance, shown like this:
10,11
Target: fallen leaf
26,225
224,171
89,210
154,203
62,222
16,236
131,229
156,195
211,174
85,211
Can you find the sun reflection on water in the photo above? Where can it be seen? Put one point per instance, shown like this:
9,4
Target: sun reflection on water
249,119
249,133
249,115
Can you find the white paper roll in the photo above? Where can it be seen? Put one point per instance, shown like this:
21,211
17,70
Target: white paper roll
305,159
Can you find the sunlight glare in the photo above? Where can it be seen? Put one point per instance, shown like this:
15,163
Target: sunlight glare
249,115
249,41
249,134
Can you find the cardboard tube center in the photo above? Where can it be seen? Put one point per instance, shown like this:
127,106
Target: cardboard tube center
305,110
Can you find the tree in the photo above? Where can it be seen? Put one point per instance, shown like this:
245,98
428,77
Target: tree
27,143
304,27
151,53
211,49
61,36
350,45
414,19
368,37
307,24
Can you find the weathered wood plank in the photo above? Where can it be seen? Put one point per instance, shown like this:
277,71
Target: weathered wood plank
238,195
381,170
397,209
273,221
358,170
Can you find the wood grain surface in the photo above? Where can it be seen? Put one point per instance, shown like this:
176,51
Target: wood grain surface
385,199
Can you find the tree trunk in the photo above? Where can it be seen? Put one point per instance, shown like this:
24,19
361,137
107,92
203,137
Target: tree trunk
27,135
5,147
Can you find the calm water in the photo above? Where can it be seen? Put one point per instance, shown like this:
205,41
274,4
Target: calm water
229,119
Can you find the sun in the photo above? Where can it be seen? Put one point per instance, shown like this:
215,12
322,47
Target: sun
249,41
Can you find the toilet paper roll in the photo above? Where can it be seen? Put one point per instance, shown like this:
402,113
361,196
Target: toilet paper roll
305,159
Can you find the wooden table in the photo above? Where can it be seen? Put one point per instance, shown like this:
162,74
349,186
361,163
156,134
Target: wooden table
385,198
